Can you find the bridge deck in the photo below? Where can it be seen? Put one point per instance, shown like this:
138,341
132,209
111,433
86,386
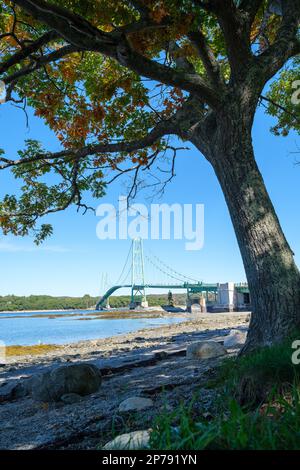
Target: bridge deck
200,287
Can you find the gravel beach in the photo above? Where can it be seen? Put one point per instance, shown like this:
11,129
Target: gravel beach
150,363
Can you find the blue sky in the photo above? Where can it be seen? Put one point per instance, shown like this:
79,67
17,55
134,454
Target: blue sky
72,261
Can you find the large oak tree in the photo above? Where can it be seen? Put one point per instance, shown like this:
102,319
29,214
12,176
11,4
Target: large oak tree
115,80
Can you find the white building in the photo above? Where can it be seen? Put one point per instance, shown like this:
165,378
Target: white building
232,297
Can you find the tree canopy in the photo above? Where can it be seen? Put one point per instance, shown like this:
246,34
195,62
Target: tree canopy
113,80
11,303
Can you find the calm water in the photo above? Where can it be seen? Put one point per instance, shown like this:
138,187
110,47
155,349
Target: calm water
24,329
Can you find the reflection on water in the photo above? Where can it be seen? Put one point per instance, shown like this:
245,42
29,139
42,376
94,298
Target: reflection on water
63,327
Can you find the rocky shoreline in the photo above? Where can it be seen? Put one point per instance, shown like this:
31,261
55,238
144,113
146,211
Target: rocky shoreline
143,338
148,364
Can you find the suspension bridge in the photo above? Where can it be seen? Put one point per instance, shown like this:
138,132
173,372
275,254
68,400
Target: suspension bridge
133,277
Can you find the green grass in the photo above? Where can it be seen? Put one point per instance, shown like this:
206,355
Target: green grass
277,426
271,363
259,407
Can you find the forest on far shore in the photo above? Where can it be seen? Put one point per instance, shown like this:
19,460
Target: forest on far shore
10,303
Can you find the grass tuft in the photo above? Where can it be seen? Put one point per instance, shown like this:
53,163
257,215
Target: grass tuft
16,351
276,426
259,407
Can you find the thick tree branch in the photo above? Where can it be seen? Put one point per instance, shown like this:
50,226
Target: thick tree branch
142,25
37,63
73,28
236,30
286,44
163,128
28,50
190,82
207,56
235,25
79,32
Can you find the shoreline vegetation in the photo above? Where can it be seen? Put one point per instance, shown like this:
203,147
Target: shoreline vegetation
58,310
17,350
44,303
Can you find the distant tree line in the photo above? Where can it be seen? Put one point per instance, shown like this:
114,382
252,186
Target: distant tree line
45,302
9,303
153,300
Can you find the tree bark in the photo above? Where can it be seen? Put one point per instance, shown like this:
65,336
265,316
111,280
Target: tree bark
273,277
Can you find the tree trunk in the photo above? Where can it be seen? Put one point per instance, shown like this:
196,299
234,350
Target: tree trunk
272,274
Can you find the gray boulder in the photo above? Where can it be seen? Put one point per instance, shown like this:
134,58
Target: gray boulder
235,339
205,350
13,390
131,441
135,404
80,379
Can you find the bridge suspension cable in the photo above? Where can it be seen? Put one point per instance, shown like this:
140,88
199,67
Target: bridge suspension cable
162,270
138,284
157,263
124,267
182,276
